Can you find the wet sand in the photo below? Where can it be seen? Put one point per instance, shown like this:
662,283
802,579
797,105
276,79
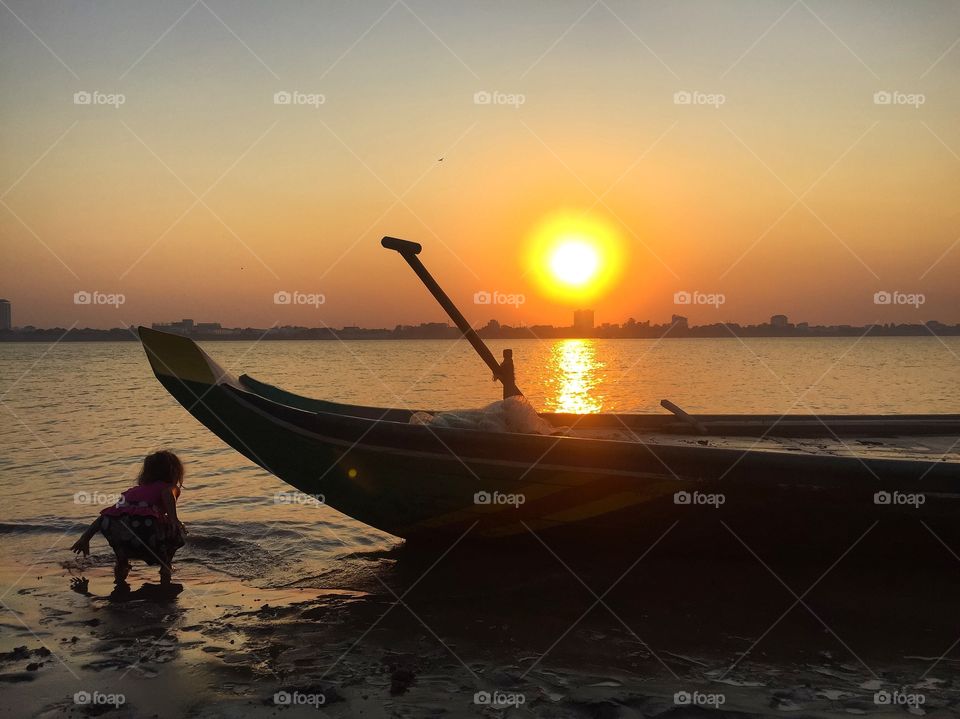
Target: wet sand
404,634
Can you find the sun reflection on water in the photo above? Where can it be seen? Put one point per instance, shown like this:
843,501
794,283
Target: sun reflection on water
574,377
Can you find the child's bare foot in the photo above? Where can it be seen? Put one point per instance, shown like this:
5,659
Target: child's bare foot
81,546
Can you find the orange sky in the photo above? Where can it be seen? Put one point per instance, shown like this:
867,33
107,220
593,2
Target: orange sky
784,184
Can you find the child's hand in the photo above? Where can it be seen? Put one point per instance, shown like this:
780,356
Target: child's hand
81,547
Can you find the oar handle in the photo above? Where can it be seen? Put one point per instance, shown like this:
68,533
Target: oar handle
404,247
409,251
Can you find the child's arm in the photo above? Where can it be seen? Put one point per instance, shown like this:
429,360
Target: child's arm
82,545
170,507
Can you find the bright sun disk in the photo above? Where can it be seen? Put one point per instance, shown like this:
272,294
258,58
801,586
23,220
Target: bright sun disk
575,256
574,262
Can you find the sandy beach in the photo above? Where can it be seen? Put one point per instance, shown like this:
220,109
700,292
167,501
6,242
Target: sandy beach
390,634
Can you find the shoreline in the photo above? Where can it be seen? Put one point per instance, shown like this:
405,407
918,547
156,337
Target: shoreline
64,336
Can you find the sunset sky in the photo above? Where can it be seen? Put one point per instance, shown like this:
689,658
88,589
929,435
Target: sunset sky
786,184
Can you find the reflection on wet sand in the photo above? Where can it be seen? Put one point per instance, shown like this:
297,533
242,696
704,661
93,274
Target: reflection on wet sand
573,633
574,380
420,633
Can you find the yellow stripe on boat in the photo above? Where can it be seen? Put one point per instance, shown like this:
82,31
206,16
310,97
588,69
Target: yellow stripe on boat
580,512
510,530
600,506
489,512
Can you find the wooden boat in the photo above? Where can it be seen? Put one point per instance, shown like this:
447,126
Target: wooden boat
612,481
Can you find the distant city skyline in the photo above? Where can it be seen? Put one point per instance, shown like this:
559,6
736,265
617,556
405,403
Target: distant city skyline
582,326
106,311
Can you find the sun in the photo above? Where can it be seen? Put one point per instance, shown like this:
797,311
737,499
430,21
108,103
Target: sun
574,255
574,262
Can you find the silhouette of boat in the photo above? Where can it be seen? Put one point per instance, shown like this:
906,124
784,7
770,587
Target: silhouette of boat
613,480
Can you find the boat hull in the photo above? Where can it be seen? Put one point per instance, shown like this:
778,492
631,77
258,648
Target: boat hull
430,484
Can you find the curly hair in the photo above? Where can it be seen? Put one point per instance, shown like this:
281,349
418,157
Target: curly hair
162,466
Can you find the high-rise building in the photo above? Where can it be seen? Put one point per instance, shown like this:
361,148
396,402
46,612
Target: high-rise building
583,320
6,315
679,321
779,321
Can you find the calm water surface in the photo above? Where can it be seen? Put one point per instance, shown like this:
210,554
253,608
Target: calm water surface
80,416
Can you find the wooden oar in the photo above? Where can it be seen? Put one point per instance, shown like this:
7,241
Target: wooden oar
409,251
689,419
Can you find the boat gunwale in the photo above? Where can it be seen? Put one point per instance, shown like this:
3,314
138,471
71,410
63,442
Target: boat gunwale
807,464
385,449
883,425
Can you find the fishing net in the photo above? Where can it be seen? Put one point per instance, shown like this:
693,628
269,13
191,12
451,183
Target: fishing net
514,414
